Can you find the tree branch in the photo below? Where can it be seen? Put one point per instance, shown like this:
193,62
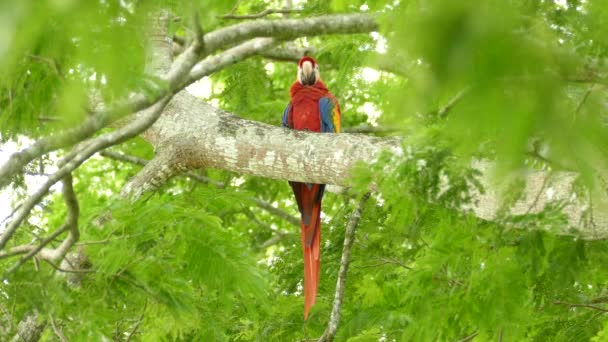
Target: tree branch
374,60
57,331
71,226
349,238
132,129
231,56
284,29
259,202
443,111
469,338
29,330
177,77
264,13
583,305
367,129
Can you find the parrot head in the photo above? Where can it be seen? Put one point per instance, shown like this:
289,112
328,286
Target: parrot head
308,71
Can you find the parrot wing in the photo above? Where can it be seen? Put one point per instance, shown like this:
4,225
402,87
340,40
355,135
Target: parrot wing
287,117
331,117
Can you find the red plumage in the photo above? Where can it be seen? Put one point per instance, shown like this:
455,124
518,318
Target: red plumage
305,115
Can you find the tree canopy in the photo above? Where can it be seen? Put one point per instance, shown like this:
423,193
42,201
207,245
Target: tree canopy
144,173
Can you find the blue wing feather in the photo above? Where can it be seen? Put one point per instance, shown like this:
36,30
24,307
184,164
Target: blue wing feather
330,115
285,121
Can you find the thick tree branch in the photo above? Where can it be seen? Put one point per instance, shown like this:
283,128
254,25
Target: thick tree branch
176,78
349,238
250,147
29,329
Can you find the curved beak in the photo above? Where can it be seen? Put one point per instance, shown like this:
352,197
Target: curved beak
307,74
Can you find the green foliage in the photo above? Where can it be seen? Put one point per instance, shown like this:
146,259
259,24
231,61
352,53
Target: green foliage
185,264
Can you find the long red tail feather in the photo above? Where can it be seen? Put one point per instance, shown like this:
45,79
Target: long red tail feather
312,259
309,198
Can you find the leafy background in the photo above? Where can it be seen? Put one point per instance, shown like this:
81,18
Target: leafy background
186,264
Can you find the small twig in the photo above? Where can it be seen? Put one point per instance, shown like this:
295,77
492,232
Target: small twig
143,162
583,100
179,40
443,111
11,214
540,192
276,211
386,261
75,270
598,300
583,305
236,6
50,61
469,338
273,241
70,225
57,331
42,118
367,129
202,179
124,133
141,318
199,34
261,14
349,238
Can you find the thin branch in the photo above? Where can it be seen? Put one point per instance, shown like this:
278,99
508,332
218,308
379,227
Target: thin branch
57,331
202,179
538,194
71,225
276,211
386,261
380,62
594,78
349,238
51,62
264,13
63,270
469,338
285,29
226,58
582,305
278,236
143,162
598,300
236,6
367,129
141,319
106,116
443,111
273,241
584,99
124,133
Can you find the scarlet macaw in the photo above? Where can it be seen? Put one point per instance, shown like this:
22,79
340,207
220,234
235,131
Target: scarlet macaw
312,108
